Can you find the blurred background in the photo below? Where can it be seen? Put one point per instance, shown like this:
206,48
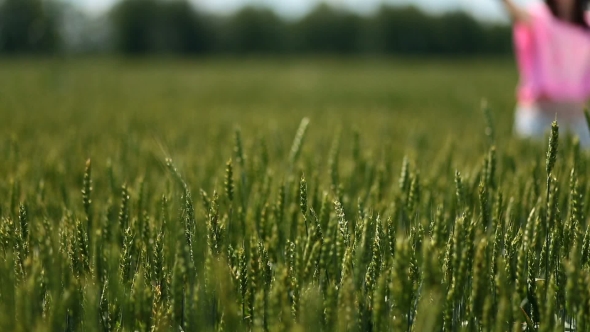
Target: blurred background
101,77
238,27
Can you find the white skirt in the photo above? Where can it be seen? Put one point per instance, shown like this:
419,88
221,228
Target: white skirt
531,122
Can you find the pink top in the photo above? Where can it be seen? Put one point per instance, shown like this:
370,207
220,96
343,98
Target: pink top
553,58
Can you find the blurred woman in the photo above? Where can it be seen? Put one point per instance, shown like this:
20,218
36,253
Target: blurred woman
552,45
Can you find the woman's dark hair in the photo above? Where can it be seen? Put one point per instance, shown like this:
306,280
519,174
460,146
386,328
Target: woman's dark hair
579,12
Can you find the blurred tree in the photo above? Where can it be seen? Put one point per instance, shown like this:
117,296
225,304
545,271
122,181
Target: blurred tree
410,31
498,39
180,29
254,30
28,26
328,30
174,26
458,33
151,26
133,25
404,31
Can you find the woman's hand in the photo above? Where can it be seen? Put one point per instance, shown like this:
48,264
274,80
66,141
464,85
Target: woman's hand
516,12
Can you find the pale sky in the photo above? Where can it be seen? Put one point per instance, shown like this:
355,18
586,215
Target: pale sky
484,9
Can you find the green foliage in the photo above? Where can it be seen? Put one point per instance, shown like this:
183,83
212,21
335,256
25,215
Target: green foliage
252,30
163,27
28,26
326,30
409,31
152,26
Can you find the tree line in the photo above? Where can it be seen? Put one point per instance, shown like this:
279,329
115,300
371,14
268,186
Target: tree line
140,27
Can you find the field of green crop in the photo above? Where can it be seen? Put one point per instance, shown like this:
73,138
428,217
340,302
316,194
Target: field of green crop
284,195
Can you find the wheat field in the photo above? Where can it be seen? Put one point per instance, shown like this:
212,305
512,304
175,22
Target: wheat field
284,195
